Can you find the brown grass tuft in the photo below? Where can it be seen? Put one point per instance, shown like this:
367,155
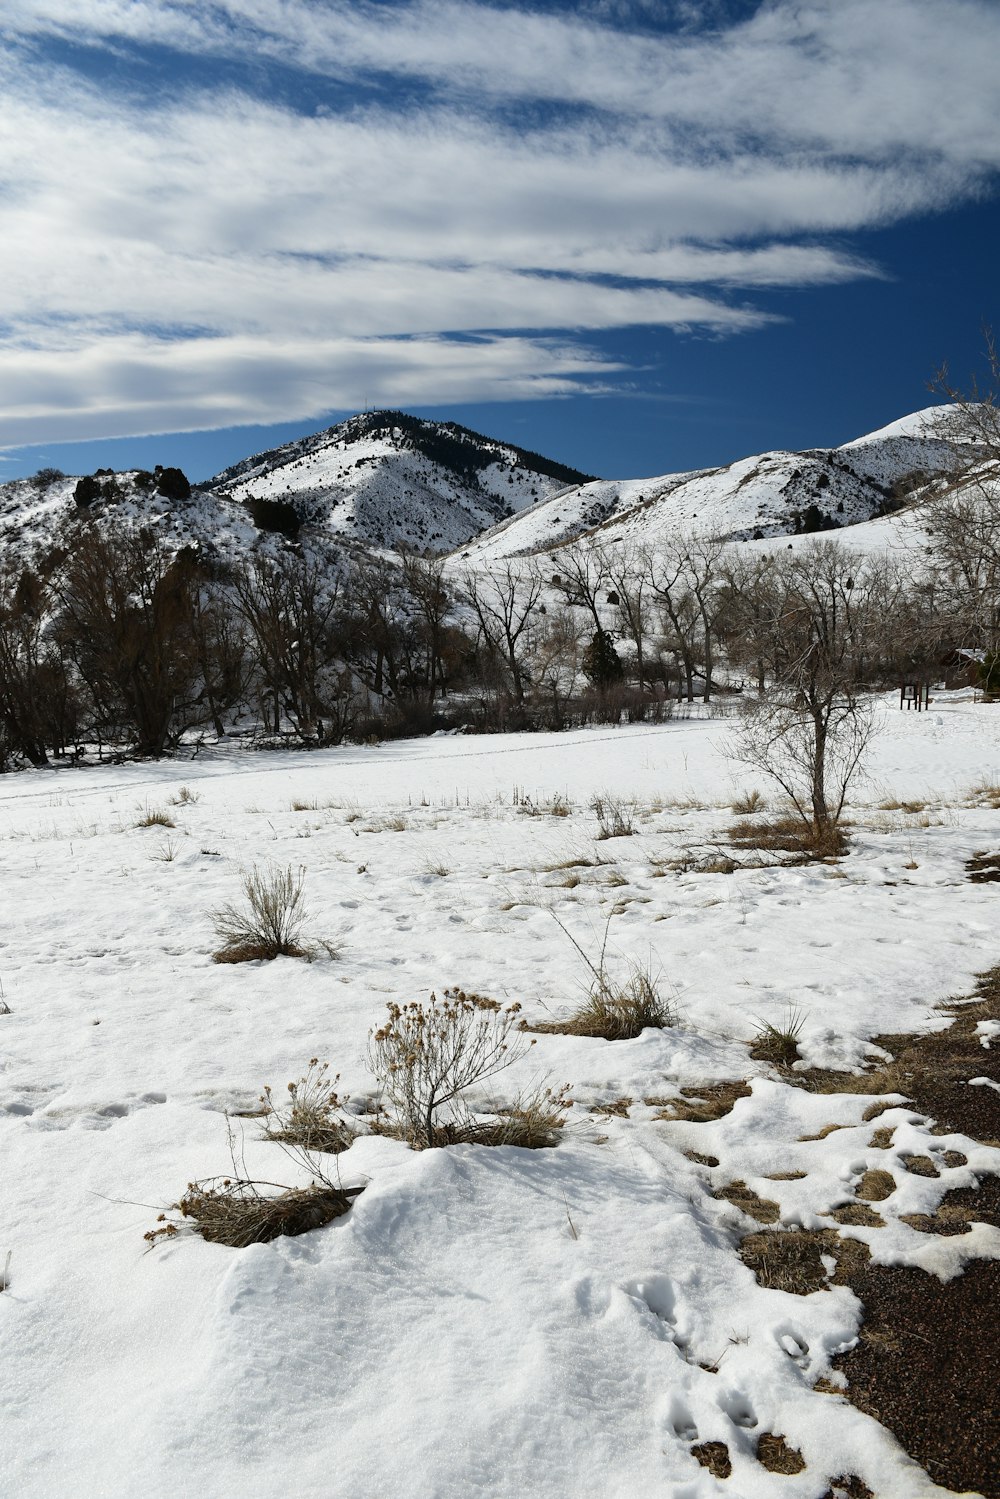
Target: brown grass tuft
774,1454
791,1259
715,1457
155,817
762,1209
876,1185
237,1213
699,1105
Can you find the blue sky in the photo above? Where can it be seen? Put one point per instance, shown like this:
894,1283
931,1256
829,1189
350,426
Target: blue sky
638,237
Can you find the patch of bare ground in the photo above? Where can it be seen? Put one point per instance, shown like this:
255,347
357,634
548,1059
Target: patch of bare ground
761,1209
775,1454
698,1105
715,1457
983,869
849,1486
927,1363
927,1366
792,1259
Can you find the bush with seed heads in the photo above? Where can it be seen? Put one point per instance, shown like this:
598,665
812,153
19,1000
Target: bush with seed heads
426,1056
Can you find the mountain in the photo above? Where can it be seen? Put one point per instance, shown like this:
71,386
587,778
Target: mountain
391,480
771,494
388,480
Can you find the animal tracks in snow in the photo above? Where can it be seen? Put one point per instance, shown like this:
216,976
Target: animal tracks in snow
35,1107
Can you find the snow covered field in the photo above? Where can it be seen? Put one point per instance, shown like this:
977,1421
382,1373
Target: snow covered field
562,1323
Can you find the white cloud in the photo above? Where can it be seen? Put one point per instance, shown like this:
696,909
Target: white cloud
705,163
131,384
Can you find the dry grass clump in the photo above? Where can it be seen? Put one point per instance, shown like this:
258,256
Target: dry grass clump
748,803
876,1185
619,1011
985,794
270,925
185,797
5,1272
790,835
774,1454
615,1009
700,1105
615,816
792,1259
778,1044
155,817
425,1057
235,1211
533,1121
715,1457
310,1120
762,1209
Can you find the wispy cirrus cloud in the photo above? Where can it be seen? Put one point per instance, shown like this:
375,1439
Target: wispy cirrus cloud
554,177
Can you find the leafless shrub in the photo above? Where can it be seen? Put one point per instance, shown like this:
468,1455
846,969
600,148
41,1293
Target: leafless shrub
426,1056
533,1121
310,1121
270,926
615,817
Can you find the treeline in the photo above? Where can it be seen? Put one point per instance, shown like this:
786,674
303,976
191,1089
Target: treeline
117,640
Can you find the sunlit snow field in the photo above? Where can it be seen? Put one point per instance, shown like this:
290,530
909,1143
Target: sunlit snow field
488,1322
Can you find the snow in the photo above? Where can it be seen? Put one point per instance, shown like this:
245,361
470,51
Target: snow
756,496
497,1322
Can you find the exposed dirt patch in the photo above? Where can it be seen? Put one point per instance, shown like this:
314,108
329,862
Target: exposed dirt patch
792,1259
762,1209
858,1213
715,1457
849,1486
933,1071
774,1454
983,869
927,1366
920,1165
698,1105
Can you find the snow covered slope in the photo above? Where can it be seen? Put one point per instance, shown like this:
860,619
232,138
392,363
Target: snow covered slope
392,480
388,480
772,494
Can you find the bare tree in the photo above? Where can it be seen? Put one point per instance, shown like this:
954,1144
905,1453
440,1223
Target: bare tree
290,606
818,618
668,570
39,704
629,578
583,572
424,579
125,608
504,602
